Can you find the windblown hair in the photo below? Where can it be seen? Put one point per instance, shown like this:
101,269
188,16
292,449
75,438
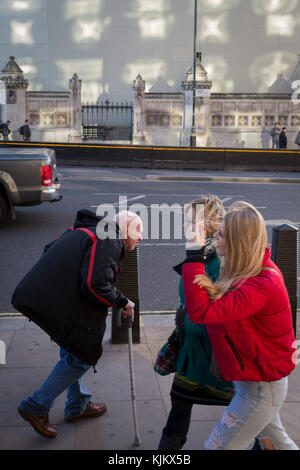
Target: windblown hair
213,212
246,240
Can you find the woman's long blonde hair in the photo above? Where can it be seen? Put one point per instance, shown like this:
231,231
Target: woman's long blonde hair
213,211
246,240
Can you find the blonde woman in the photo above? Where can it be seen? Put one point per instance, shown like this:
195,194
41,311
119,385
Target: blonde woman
193,383
248,318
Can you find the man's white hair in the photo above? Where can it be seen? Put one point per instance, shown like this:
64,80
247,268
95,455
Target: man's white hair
128,222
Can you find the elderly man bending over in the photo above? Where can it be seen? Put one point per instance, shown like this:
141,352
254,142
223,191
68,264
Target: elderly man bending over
68,293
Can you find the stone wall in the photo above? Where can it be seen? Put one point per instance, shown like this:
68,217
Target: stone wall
163,119
49,115
234,120
240,120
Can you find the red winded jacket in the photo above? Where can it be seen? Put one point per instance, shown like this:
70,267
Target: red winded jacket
250,328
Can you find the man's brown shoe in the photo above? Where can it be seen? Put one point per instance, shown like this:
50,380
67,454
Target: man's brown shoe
40,424
92,411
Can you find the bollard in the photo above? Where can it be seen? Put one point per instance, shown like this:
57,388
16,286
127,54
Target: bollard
128,284
285,254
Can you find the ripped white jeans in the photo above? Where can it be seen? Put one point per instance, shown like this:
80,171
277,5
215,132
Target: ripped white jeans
253,412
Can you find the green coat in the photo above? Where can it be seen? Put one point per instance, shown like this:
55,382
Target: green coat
194,356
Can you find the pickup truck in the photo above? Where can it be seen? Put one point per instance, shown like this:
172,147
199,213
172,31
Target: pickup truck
27,177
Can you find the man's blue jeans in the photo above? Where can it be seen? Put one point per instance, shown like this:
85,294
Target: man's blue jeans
66,375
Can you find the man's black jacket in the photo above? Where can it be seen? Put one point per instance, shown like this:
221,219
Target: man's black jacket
282,140
68,291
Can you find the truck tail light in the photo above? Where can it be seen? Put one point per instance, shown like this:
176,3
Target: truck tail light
46,175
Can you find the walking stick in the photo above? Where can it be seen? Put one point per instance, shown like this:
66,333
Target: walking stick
137,440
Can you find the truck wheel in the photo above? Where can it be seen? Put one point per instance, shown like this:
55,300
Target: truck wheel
4,212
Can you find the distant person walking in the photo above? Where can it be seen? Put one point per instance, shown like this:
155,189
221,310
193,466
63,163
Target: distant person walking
297,140
283,139
25,131
275,132
5,130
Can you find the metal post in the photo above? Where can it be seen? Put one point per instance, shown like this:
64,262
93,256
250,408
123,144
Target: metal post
193,133
285,242
128,284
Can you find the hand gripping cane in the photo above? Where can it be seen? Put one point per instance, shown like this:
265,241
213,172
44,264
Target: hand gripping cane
137,440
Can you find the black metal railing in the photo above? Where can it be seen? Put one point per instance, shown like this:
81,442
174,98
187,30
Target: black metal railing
107,121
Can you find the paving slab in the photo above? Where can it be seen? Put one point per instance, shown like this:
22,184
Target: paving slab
23,438
115,429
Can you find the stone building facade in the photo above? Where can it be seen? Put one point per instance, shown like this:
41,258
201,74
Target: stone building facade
54,116
222,119
161,119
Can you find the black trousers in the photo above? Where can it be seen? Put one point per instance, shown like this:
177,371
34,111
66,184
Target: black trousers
179,419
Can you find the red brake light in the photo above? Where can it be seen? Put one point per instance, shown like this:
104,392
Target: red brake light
46,175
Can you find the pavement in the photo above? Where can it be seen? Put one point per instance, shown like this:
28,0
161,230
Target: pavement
31,356
141,174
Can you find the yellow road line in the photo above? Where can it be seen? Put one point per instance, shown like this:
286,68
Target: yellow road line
142,312
152,148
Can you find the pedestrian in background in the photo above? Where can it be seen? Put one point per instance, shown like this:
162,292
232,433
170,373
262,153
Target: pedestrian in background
6,130
249,322
68,293
25,131
283,139
275,132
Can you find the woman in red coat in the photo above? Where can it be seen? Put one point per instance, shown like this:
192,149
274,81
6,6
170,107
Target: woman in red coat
249,322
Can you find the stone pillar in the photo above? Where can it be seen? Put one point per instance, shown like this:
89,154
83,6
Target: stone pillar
202,96
14,105
75,134
2,102
138,118
187,118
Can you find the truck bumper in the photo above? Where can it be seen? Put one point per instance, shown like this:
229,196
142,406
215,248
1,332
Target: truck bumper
50,195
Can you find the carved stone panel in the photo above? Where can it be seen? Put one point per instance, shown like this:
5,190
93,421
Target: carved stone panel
34,118
216,120
177,120
164,120
47,119
295,121
229,120
243,121
256,121
62,119
283,120
151,119
269,120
